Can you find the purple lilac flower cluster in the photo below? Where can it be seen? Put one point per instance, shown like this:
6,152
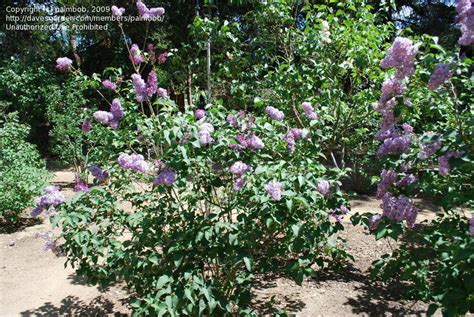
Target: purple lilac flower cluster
323,187
98,173
274,188
80,185
249,141
465,17
239,169
145,90
146,13
108,84
309,111
112,118
136,56
86,125
63,63
52,197
274,113
135,162
399,208
440,75
199,114
401,56
117,12
291,137
161,59
204,133
166,177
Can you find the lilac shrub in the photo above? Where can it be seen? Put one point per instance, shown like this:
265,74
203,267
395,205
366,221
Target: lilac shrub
430,157
188,205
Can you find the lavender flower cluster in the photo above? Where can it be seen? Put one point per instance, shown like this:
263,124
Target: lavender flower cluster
166,177
98,173
401,56
239,169
135,162
52,197
274,188
146,13
145,90
111,118
63,64
465,17
440,75
80,185
274,113
309,111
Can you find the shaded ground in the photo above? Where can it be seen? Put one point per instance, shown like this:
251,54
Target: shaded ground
34,282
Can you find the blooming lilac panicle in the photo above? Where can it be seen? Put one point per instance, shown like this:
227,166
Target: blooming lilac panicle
116,109
441,74
63,63
136,55
162,58
407,180
146,13
297,133
337,217
167,177
388,178
199,114
104,117
239,183
151,84
140,88
309,111
80,185
290,141
465,17
274,113
254,142
395,145
134,162
117,12
391,88
399,208
273,188
162,92
98,173
86,125
239,168
374,221
344,209
52,197
107,84
323,187
204,133
232,121
407,128
401,56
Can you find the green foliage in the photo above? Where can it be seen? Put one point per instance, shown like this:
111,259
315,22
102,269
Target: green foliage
437,259
67,107
22,172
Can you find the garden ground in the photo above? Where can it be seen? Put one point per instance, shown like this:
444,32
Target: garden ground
35,282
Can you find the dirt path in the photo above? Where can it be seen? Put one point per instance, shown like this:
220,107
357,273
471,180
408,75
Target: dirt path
34,282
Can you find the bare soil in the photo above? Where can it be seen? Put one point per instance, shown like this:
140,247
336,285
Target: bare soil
34,282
